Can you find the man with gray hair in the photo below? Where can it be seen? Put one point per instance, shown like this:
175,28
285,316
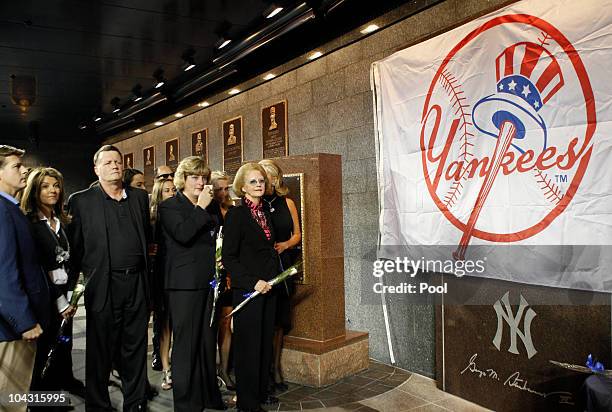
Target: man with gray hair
24,290
110,232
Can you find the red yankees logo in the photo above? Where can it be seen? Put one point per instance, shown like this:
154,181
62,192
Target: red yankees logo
503,165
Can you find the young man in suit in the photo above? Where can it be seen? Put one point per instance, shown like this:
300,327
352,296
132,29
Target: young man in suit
110,232
24,290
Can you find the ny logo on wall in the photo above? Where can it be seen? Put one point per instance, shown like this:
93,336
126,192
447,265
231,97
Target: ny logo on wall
504,313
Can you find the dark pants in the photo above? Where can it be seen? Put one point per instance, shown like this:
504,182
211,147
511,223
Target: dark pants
253,333
120,327
59,375
194,371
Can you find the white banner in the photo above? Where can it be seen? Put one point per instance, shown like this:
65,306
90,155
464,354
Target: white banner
498,133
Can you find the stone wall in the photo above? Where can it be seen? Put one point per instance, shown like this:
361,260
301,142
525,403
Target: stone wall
330,110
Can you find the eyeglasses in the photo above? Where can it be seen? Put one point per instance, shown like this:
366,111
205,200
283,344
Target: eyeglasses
166,176
254,182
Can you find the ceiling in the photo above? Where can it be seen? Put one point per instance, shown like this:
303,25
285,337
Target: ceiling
85,53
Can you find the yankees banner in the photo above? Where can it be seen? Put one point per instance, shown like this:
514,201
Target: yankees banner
493,140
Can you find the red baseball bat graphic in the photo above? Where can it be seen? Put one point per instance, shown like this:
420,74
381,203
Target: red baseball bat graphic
507,132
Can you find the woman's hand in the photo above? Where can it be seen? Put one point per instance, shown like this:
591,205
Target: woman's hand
262,286
69,312
280,247
206,196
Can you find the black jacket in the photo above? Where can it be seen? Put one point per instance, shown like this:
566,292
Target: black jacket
189,237
89,240
247,254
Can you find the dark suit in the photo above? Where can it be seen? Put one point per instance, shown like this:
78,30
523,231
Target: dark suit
24,288
249,256
189,237
24,298
116,303
59,376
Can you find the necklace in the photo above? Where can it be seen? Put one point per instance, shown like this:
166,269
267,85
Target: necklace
270,203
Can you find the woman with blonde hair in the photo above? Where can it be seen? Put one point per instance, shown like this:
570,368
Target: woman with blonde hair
163,189
42,202
286,225
188,233
249,255
219,207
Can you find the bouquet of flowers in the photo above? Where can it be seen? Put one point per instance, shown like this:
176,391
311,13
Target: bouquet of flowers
78,291
292,270
216,282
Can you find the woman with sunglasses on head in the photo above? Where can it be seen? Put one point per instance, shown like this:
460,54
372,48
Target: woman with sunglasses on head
250,257
188,233
42,202
288,235
163,189
220,205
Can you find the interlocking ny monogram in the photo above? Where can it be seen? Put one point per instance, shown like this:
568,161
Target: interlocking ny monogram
505,313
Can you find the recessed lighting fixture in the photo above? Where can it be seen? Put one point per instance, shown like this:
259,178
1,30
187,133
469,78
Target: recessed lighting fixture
158,123
234,91
179,115
315,55
273,12
159,84
83,127
223,42
269,76
158,75
189,67
97,119
137,131
371,28
116,110
138,98
203,104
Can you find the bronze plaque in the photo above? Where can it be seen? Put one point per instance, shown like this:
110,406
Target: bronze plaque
172,153
128,161
295,183
148,156
498,355
274,130
232,145
199,144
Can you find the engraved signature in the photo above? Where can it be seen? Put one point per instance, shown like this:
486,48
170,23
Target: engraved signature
515,380
488,373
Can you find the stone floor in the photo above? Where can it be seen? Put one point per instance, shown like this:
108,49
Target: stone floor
379,388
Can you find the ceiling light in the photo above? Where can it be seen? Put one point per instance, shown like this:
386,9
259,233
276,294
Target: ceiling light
158,75
115,103
203,104
272,11
269,76
315,55
137,92
97,118
137,131
223,41
179,115
158,123
371,28
189,60
234,91
83,127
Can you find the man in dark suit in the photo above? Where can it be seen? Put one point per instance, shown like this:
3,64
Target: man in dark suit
24,290
110,232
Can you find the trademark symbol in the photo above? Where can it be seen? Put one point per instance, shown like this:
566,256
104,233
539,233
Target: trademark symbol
561,178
